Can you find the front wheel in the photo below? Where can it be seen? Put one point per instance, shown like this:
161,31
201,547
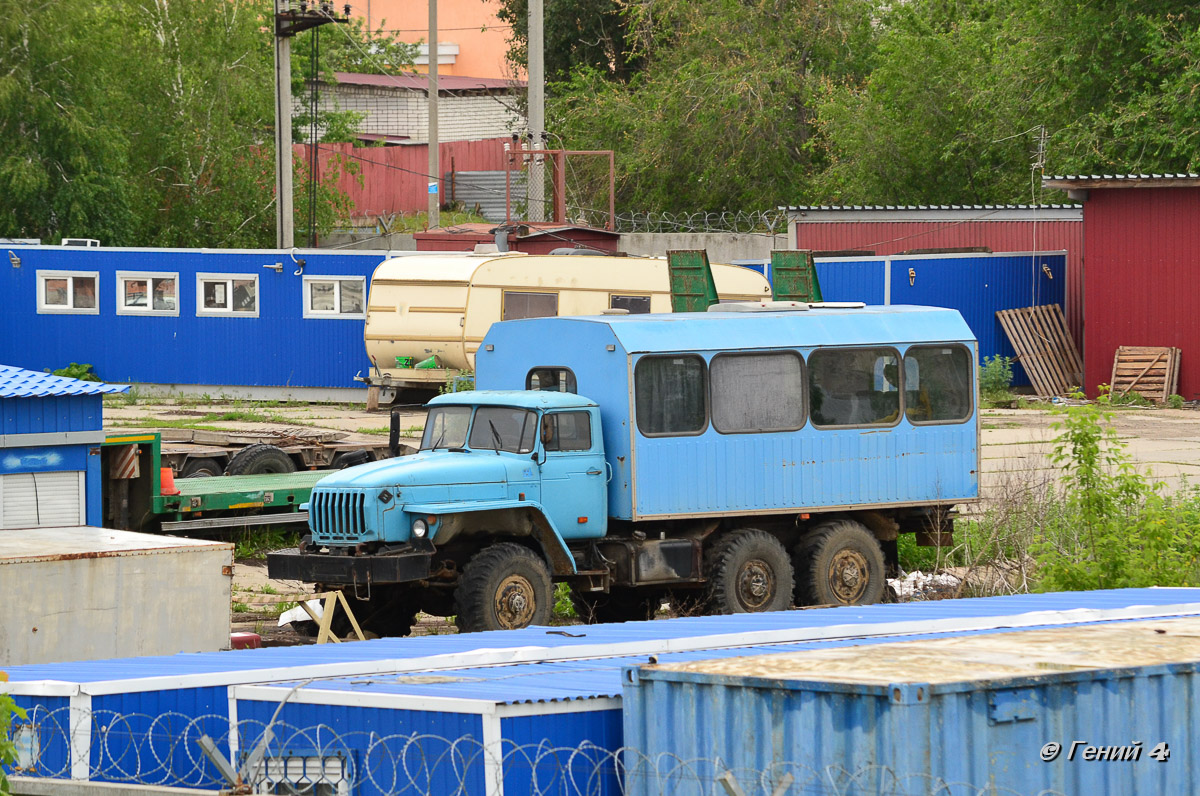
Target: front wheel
748,572
840,563
504,587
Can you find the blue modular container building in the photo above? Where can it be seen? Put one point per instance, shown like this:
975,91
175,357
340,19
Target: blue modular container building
709,473
225,318
51,428
138,720
1105,708
978,285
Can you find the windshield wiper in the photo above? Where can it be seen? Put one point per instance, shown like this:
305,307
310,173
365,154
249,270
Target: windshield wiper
496,438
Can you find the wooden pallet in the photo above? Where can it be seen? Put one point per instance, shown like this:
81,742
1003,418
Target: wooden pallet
1151,372
1045,348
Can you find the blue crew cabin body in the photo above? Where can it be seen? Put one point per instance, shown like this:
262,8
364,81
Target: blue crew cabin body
744,413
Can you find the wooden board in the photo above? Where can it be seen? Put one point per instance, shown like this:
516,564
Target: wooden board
1045,348
1150,371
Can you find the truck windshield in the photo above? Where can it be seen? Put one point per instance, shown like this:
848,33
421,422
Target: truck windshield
446,427
503,428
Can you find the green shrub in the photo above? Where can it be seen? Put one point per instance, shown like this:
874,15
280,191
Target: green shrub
995,379
8,748
1175,401
78,370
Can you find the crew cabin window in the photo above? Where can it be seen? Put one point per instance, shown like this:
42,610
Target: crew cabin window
669,396
334,297
757,392
68,292
854,387
937,384
147,293
567,431
529,305
551,380
634,305
227,294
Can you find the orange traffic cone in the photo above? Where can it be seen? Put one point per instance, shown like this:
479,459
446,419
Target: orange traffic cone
167,481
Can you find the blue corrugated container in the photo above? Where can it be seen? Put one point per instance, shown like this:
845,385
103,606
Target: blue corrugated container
1031,712
273,341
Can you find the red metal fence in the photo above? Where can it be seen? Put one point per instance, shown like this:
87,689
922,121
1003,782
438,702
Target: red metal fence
396,179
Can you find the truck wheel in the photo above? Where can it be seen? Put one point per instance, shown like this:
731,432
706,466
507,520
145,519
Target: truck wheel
200,468
749,571
619,605
840,563
260,458
504,587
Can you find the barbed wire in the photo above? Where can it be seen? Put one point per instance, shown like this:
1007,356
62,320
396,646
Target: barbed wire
166,750
745,222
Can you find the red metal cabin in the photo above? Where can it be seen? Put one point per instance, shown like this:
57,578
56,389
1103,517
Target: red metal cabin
1141,236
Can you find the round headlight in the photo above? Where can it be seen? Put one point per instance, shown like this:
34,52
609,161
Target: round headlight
419,528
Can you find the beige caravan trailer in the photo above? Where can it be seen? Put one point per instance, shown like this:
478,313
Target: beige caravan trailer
441,305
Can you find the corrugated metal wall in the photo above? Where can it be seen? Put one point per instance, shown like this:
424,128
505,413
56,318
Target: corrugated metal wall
278,348
51,414
1142,286
394,179
977,285
490,191
870,230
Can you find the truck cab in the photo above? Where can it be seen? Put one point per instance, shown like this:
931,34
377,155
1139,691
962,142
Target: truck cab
511,478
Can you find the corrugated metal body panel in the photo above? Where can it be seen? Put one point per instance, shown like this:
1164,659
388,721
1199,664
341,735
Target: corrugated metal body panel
1142,285
394,179
556,773
713,472
981,718
895,237
280,347
488,191
404,751
865,280
51,414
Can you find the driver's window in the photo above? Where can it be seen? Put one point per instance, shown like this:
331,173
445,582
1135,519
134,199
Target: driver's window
567,431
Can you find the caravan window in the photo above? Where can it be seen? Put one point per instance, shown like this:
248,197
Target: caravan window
227,294
854,387
147,293
68,292
757,392
529,305
937,384
669,396
551,380
634,305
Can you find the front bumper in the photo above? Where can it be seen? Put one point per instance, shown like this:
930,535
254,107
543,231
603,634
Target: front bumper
322,568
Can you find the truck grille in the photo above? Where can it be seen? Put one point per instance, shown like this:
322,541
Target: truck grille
337,516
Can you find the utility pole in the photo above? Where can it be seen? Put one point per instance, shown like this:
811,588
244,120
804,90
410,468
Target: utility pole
535,66
289,22
435,166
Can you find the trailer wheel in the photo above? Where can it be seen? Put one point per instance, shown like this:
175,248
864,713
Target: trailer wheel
504,587
840,563
619,605
200,468
749,571
260,458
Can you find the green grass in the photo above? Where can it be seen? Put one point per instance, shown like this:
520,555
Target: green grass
254,544
380,431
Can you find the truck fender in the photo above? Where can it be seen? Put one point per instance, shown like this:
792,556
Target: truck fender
554,548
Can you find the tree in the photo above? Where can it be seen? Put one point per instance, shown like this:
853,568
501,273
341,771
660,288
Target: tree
577,34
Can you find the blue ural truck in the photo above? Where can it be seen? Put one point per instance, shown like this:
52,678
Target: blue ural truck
728,461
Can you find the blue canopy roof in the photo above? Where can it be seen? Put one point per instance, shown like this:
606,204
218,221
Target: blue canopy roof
21,383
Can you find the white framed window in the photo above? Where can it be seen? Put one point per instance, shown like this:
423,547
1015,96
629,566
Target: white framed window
147,293
335,297
68,292
227,294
